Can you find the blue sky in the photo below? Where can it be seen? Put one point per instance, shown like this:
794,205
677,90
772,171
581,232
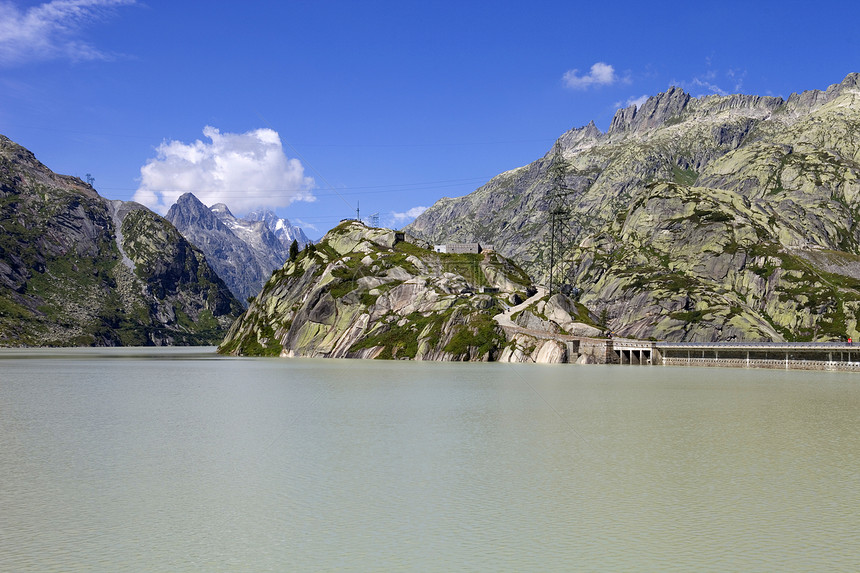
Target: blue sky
314,106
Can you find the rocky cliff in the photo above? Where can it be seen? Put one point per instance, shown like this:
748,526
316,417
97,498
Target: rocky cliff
243,252
372,293
79,270
714,218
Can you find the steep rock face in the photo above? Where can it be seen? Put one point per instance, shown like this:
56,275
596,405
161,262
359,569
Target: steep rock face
652,114
269,251
715,218
243,253
77,269
363,293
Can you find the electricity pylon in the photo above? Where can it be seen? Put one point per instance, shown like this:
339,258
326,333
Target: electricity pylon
559,213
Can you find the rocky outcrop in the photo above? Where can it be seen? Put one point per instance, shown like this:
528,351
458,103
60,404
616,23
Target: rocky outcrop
714,218
547,329
79,270
368,293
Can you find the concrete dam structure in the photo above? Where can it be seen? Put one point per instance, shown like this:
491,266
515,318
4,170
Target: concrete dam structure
782,355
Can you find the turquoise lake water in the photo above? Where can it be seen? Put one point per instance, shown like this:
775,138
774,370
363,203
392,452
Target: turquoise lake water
180,460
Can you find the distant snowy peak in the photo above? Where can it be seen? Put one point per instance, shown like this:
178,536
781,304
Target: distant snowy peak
223,213
243,253
220,209
282,228
287,233
265,215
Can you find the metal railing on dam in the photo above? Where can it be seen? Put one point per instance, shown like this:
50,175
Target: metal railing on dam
782,355
800,346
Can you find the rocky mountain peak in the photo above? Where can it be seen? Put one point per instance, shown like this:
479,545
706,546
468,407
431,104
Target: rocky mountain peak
651,114
266,215
851,81
580,138
750,105
244,252
285,231
24,160
190,211
77,269
810,100
676,104
221,209
376,293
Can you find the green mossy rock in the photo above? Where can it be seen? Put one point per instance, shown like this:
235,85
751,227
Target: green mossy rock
364,294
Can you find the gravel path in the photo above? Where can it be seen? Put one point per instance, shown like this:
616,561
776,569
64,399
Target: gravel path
504,318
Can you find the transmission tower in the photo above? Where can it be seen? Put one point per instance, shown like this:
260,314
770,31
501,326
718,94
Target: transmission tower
374,219
559,214
90,180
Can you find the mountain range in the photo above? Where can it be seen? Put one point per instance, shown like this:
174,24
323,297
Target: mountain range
690,219
243,251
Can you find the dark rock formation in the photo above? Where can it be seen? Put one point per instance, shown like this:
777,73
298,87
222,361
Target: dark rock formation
77,269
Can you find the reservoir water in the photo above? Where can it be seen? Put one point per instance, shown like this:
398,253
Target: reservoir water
180,460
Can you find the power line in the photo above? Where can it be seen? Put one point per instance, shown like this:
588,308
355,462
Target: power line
367,189
393,187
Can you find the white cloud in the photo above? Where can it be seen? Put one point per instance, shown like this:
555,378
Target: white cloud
637,101
245,171
50,31
712,82
737,76
408,215
304,225
601,74
708,85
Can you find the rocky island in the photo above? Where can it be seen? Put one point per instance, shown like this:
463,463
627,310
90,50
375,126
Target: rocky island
377,293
